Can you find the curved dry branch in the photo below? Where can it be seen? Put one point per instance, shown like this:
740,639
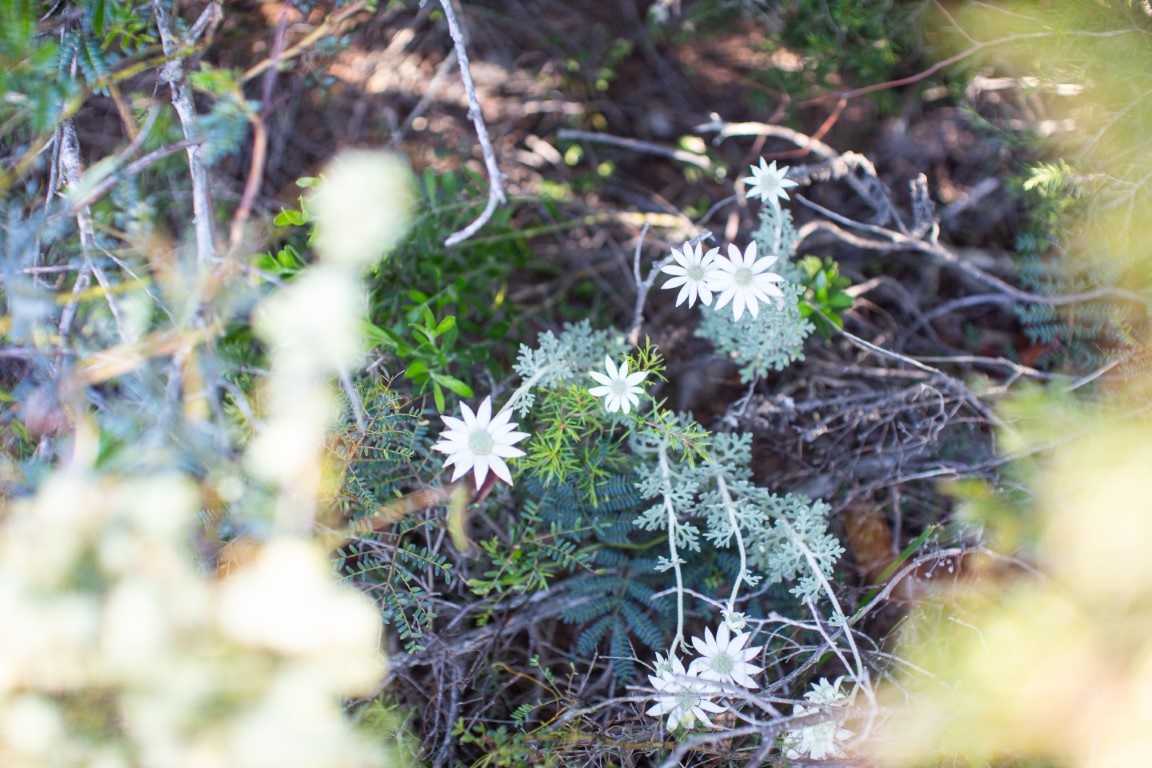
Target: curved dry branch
496,183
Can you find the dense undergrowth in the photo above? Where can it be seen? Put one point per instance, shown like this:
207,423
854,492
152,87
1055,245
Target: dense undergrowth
695,446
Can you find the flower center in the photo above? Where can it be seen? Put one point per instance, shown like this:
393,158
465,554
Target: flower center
619,387
723,663
696,273
742,276
480,442
686,701
825,732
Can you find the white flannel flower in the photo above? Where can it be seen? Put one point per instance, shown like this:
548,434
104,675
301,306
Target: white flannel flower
619,388
735,620
744,280
815,741
681,695
724,658
480,442
692,272
768,182
827,693
821,740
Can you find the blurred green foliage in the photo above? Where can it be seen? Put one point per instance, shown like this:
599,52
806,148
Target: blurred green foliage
1015,660
825,300
841,45
444,313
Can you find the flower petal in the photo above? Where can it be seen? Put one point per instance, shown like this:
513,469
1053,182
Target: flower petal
484,415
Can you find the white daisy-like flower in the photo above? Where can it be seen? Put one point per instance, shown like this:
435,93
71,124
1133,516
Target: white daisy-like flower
735,620
620,389
744,280
692,272
724,658
768,182
681,695
821,740
827,693
815,741
480,442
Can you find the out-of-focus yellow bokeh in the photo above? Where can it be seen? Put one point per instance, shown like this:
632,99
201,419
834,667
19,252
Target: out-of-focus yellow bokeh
1057,664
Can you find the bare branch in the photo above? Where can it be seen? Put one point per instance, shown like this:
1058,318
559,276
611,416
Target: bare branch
896,241
70,172
644,286
330,25
495,178
680,155
173,73
724,130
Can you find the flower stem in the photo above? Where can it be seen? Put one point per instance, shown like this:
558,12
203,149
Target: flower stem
860,673
730,508
673,523
526,386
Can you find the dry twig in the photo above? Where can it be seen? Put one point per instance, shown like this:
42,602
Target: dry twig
495,177
174,74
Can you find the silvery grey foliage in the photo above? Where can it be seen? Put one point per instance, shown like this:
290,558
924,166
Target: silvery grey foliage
557,360
771,341
717,501
774,338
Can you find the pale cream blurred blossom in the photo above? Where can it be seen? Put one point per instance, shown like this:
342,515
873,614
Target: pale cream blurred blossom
64,506
1098,534
313,330
167,646
318,737
313,326
1123,737
100,592
30,727
362,206
45,639
1058,666
286,601
288,450
136,632
159,505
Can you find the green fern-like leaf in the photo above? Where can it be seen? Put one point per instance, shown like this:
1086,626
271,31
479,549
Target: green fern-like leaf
614,607
1086,335
382,457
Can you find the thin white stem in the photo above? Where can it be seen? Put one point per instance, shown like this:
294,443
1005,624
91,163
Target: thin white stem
70,172
643,287
673,523
495,178
690,158
526,386
860,673
730,508
724,130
